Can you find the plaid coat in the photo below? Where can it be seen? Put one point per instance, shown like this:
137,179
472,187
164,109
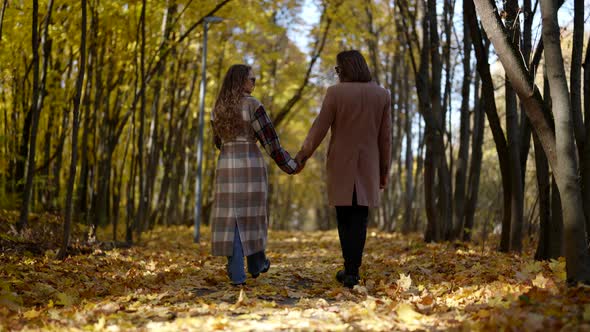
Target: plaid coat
241,184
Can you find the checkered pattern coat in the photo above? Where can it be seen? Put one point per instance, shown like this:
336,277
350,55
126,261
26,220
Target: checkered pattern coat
241,184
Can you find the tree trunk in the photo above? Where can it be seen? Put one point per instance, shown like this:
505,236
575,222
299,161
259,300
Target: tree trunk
59,159
586,155
576,250
82,194
75,124
34,114
5,148
489,105
118,191
576,76
175,207
462,159
372,41
576,99
20,165
7,151
156,143
173,146
517,194
130,221
393,191
141,209
556,245
409,195
513,136
551,221
4,5
518,75
444,176
117,186
439,217
46,190
423,91
109,138
447,15
475,169
418,171
46,43
543,187
525,125
432,226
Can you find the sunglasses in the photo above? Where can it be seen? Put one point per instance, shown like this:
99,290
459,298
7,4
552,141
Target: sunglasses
337,69
252,79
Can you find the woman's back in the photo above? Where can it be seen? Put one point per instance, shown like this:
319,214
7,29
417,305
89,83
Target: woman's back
359,111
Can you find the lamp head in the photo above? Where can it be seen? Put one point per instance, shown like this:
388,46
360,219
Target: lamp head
213,19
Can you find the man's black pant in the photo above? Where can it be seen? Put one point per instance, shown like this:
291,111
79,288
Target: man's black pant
352,230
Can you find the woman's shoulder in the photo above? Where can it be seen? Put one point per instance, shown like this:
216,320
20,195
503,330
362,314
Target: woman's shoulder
346,87
251,102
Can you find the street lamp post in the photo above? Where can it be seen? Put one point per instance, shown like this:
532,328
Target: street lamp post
199,198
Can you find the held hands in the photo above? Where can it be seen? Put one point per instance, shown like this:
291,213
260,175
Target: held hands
382,182
300,159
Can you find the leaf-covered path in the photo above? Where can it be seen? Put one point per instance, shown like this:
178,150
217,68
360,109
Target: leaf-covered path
170,284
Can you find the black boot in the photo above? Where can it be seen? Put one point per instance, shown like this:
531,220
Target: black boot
263,270
350,280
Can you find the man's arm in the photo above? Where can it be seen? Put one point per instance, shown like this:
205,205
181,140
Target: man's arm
385,143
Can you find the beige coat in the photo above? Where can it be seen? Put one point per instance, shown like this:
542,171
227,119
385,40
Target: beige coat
359,154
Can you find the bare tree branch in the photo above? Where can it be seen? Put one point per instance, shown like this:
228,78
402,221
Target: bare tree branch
518,74
317,51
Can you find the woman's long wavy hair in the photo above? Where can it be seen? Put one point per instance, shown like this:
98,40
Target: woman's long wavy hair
227,111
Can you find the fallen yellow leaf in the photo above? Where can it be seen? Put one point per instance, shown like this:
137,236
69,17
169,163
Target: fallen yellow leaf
407,314
483,313
540,281
404,282
31,314
65,299
586,314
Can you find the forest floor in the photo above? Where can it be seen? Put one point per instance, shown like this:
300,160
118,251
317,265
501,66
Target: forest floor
168,283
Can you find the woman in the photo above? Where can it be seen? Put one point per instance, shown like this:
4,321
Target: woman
358,112
239,225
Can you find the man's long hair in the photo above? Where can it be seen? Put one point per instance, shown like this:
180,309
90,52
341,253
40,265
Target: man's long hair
353,67
227,111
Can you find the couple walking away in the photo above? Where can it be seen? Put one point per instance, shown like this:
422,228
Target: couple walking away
357,111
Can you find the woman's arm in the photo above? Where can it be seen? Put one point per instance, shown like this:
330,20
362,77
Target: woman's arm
267,136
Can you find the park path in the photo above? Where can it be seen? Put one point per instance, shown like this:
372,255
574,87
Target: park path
170,284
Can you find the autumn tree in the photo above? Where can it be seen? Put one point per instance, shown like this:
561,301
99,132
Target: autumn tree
75,125
565,166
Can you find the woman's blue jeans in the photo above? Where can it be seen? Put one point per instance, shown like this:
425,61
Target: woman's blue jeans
235,262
